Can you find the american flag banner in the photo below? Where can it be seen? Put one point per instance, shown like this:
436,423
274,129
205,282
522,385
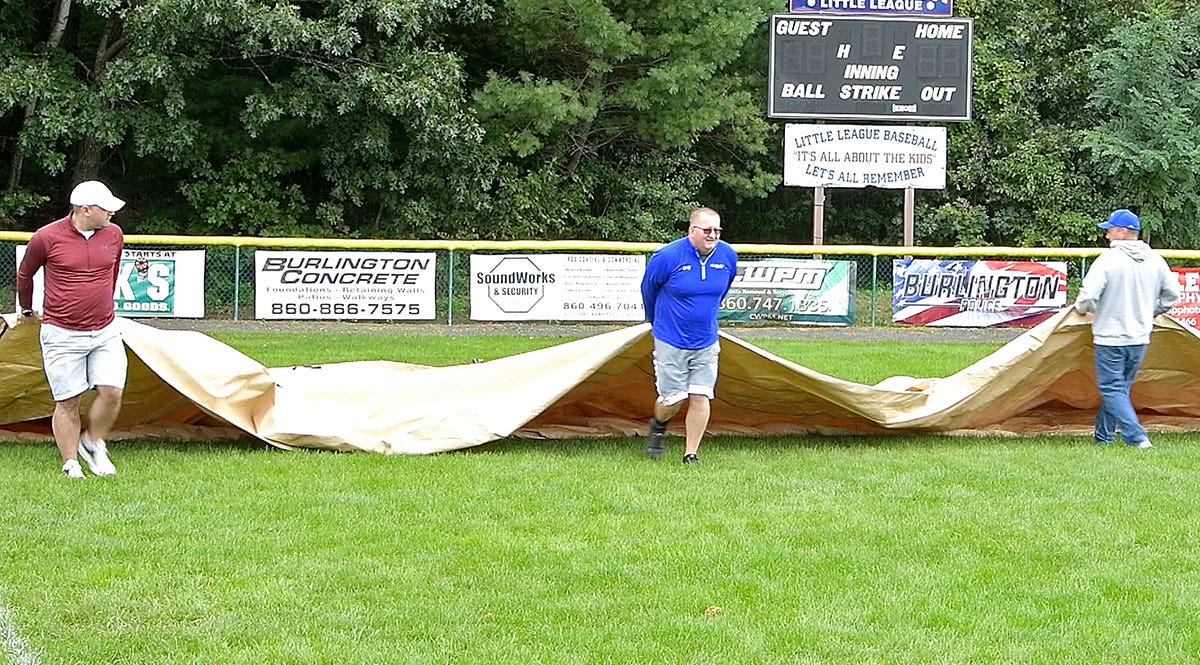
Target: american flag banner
976,294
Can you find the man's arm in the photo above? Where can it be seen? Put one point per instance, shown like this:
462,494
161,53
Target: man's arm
1168,293
651,283
34,259
116,271
1092,287
732,270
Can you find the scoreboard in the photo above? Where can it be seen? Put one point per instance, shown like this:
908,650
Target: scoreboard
877,68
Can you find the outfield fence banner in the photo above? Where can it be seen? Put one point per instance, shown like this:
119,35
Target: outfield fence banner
388,286
799,291
1187,309
976,294
161,283
557,287
230,290
864,156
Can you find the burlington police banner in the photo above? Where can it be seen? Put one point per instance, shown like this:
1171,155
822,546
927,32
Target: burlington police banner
802,291
150,283
344,285
557,287
1187,309
934,292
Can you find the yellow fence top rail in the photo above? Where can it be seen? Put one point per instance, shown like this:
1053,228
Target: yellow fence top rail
604,245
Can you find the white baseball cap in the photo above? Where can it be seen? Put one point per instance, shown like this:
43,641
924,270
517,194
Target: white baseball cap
94,193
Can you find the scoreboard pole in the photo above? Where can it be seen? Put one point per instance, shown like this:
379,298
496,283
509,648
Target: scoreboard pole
818,215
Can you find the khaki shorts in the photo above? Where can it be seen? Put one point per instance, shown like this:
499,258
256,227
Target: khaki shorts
682,372
76,361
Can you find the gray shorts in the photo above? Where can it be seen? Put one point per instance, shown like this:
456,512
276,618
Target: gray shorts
682,372
78,360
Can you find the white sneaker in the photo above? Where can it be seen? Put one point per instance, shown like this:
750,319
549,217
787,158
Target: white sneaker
1143,445
95,453
71,469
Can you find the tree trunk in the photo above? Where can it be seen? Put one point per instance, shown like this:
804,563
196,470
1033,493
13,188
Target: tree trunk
87,165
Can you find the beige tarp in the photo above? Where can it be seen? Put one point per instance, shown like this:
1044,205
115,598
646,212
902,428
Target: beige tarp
187,385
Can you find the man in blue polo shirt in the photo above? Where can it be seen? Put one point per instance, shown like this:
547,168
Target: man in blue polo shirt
682,291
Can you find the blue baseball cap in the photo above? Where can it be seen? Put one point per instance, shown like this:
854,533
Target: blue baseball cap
1124,219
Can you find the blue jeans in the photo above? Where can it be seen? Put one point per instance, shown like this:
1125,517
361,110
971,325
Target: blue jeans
1116,366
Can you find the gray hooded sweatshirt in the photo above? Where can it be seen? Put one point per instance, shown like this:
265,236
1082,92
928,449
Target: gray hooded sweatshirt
1127,286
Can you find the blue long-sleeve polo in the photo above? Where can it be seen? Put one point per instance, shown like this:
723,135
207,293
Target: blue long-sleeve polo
682,291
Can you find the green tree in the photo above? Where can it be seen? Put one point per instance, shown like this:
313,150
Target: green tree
607,118
1147,141
1018,173
566,118
234,116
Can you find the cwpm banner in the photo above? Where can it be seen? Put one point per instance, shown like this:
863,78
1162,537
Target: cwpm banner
150,283
793,291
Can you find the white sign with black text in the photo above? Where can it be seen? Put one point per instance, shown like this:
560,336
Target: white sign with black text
864,156
344,285
557,287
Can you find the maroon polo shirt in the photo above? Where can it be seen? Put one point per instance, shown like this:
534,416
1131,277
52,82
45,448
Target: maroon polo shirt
80,274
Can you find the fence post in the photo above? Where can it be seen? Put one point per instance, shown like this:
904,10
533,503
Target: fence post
237,279
874,284
450,291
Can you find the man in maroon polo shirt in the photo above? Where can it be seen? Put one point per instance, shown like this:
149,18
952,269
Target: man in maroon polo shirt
82,350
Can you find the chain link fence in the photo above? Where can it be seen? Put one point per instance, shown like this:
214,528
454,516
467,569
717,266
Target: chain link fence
229,266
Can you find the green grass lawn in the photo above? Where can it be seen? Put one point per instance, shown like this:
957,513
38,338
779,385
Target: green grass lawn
775,550
865,362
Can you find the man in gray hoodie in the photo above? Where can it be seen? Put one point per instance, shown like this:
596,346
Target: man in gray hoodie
1126,287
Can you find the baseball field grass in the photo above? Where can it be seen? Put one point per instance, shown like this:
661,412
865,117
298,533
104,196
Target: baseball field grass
774,550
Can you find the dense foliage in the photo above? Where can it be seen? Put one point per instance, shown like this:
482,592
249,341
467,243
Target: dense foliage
566,118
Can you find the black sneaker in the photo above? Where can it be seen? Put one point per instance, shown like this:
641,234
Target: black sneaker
691,458
654,440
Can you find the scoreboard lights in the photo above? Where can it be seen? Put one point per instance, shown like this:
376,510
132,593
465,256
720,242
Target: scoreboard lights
882,68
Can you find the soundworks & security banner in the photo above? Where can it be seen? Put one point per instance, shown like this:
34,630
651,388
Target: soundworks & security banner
557,287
